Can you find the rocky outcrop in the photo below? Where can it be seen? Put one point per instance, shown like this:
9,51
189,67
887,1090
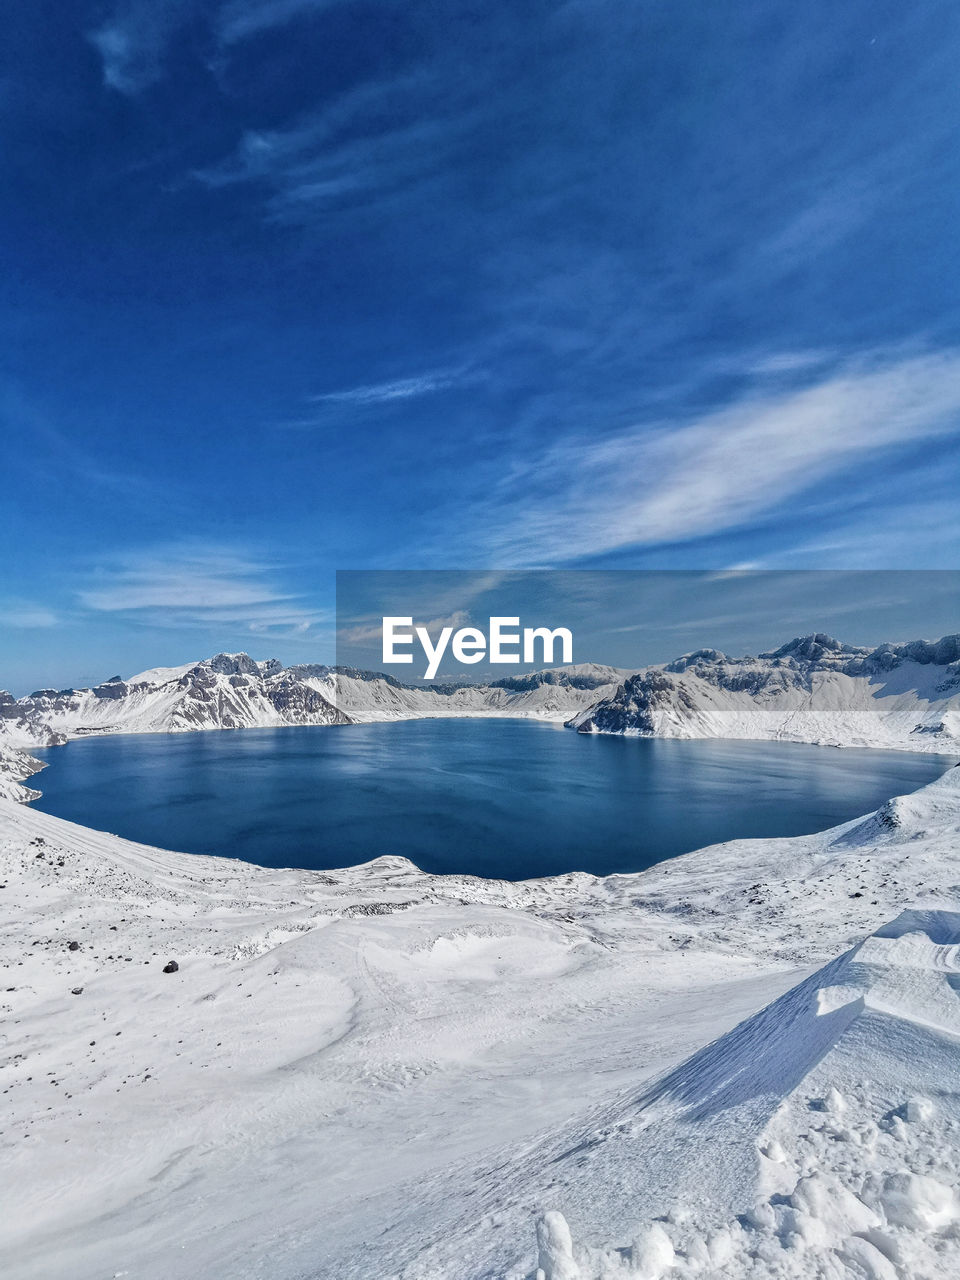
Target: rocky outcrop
587,676
22,726
637,704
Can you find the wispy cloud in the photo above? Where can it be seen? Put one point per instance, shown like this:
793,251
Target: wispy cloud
26,615
674,481
776,363
400,389
240,19
376,139
915,534
132,42
370,631
180,576
189,584
834,213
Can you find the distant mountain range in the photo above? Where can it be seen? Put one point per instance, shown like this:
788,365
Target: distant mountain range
233,691
813,689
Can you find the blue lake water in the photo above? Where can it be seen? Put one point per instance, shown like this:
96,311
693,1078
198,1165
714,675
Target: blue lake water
506,798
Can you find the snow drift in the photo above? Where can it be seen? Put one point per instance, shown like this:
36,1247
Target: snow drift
837,1108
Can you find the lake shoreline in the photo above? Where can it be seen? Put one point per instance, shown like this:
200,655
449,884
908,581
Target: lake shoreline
489,793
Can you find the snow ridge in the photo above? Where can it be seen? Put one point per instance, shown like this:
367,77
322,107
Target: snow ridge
845,1089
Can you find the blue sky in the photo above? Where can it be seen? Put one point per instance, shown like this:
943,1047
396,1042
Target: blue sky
299,285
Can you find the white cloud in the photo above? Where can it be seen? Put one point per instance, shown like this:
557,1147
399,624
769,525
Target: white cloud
669,482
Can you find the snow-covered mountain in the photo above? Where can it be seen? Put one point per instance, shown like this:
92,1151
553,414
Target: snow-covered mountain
814,689
228,691
232,691
375,1072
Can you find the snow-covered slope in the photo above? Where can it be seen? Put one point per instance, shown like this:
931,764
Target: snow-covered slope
377,1073
814,689
833,1124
